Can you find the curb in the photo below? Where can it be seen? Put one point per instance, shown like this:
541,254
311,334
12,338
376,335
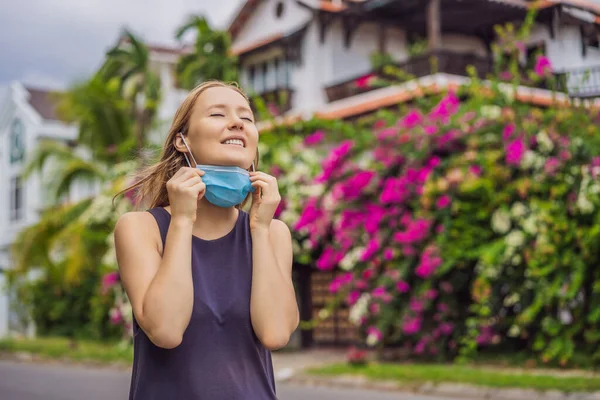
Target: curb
449,390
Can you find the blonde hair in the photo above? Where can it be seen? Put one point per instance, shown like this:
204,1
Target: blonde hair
151,183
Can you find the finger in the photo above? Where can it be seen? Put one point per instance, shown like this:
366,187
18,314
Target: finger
199,188
263,188
184,174
191,181
261,174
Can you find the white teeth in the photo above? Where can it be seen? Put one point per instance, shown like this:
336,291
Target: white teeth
235,141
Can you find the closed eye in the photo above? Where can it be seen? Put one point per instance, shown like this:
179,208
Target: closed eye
248,119
217,115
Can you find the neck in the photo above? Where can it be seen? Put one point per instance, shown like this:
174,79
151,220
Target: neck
209,216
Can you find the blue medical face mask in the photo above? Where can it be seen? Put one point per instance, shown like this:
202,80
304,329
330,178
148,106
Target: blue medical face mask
226,186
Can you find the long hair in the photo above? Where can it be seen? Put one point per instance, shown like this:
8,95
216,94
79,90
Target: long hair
150,187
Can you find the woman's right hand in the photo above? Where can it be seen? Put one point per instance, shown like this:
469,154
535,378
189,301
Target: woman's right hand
185,189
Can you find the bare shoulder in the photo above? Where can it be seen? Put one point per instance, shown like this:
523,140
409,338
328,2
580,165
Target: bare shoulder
136,227
279,228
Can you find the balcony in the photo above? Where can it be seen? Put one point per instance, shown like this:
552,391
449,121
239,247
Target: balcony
443,61
582,83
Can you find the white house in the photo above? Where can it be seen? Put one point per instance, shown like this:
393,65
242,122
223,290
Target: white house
314,51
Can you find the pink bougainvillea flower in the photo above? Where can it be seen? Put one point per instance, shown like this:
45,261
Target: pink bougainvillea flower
514,152
334,160
280,208
116,317
353,297
368,274
402,286
420,346
314,138
395,190
508,131
446,328
388,254
431,294
329,259
543,66
416,231
412,326
475,170
551,166
416,305
354,186
375,332
429,263
447,107
364,81
412,119
310,214
379,124
109,280
374,308
370,251
393,274
360,284
443,202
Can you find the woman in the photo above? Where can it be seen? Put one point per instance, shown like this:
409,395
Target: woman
210,285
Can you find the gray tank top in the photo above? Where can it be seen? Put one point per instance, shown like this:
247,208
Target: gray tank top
220,357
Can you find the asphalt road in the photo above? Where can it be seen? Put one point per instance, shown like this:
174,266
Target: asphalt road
27,381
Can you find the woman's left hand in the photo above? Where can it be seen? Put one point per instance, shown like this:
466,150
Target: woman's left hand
265,200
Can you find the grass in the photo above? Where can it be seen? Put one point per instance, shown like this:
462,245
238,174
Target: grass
62,349
414,374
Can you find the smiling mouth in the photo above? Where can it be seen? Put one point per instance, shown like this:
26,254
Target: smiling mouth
235,142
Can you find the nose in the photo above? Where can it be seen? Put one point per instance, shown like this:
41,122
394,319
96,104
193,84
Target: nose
236,123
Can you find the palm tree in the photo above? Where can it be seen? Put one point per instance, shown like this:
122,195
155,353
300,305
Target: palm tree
129,61
211,58
102,115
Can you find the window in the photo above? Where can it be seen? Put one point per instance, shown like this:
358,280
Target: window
17,141
16,199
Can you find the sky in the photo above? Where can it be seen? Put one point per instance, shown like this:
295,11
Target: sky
53,43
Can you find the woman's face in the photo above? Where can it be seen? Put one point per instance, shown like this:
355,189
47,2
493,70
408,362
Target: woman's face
221,129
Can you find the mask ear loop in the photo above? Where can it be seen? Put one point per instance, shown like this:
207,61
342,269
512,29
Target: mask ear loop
191,155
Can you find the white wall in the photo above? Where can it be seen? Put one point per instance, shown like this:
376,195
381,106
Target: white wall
263,23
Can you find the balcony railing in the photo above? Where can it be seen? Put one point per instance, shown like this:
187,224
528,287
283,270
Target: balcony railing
445,61
581,82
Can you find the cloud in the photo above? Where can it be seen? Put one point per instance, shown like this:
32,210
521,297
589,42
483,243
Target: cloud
54,43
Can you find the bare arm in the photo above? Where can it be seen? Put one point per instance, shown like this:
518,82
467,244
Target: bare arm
273,307
160,286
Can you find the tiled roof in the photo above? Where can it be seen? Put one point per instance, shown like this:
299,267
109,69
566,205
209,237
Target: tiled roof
43,102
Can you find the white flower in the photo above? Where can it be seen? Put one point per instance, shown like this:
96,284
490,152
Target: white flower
372,340
359,309
565,316
312,190
530,225
508,92
544,142
515,239
324,313
492,112
518,210
351,258
528,159
584,204
500,221
516,260
514,331
511,300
